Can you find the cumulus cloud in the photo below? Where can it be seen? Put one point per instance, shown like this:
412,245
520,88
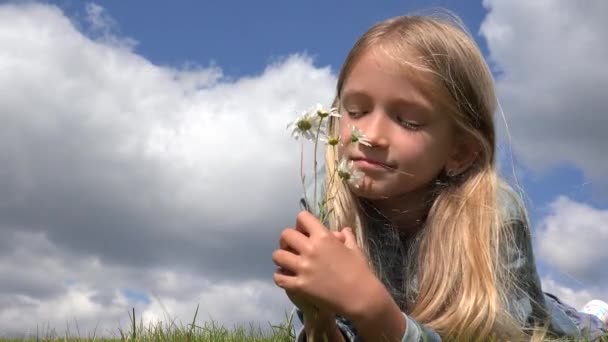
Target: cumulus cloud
126,184
550,56
121,174
573,238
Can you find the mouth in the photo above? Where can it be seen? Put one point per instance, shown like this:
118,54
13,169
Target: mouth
367,163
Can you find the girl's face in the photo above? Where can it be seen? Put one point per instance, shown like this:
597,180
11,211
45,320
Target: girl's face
411,141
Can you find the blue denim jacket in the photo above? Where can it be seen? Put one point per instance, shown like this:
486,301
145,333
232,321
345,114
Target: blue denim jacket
530,306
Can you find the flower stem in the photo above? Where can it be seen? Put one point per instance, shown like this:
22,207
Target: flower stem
315,162
325,199
302,177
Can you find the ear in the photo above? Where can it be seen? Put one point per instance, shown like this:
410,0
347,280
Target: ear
465,152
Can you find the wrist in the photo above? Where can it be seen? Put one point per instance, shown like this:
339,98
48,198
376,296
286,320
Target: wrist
379,314
373,299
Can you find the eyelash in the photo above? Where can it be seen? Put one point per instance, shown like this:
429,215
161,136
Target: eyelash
408,125
352,114
403,123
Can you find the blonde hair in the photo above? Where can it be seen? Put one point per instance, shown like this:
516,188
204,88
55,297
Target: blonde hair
464,239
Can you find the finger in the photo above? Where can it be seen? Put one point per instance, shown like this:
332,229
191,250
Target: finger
284,271
308,224
286,260
293,241
340,236
350,240
284,281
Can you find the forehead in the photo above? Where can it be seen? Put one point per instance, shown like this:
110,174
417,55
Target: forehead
382,76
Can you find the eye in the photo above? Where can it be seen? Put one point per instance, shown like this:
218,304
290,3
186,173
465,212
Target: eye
411,125
354,113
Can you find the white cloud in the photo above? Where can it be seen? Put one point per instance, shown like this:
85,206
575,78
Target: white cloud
117,173
104,28
123,174
98,18
569,296
573,238
228,304
35,287
551,56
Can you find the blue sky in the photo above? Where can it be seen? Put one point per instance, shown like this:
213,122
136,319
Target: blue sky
243,37
112,197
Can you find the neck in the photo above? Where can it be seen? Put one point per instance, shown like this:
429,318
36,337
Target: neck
408,212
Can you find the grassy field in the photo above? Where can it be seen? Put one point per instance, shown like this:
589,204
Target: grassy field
192,332
172,332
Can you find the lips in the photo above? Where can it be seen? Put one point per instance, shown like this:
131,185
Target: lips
372,162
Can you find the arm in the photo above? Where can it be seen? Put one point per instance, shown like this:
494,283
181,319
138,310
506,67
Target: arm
381,317
414,331
528,303
383,320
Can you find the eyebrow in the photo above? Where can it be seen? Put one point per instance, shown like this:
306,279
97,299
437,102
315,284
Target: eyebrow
350,95
354,94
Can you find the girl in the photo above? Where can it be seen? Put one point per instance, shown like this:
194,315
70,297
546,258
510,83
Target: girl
430,243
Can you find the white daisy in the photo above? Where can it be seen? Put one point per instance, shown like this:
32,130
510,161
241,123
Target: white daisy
357,136
329,140
348,173
323,113
306,125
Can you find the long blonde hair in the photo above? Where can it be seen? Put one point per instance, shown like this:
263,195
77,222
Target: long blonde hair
460,262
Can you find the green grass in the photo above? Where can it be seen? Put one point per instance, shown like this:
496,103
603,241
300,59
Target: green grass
191,332
171,332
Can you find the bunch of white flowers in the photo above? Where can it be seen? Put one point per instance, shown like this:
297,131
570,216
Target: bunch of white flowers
312,125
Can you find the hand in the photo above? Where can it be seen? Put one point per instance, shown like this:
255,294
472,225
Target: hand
309,310
331,274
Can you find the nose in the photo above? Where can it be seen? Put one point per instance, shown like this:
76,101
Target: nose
375,128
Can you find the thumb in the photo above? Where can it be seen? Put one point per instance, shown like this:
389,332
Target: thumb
350,240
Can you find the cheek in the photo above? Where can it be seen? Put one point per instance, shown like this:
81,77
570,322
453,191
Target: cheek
343,133
421,155
410,148
344,124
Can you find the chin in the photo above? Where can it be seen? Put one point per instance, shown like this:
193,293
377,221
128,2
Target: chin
370,190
